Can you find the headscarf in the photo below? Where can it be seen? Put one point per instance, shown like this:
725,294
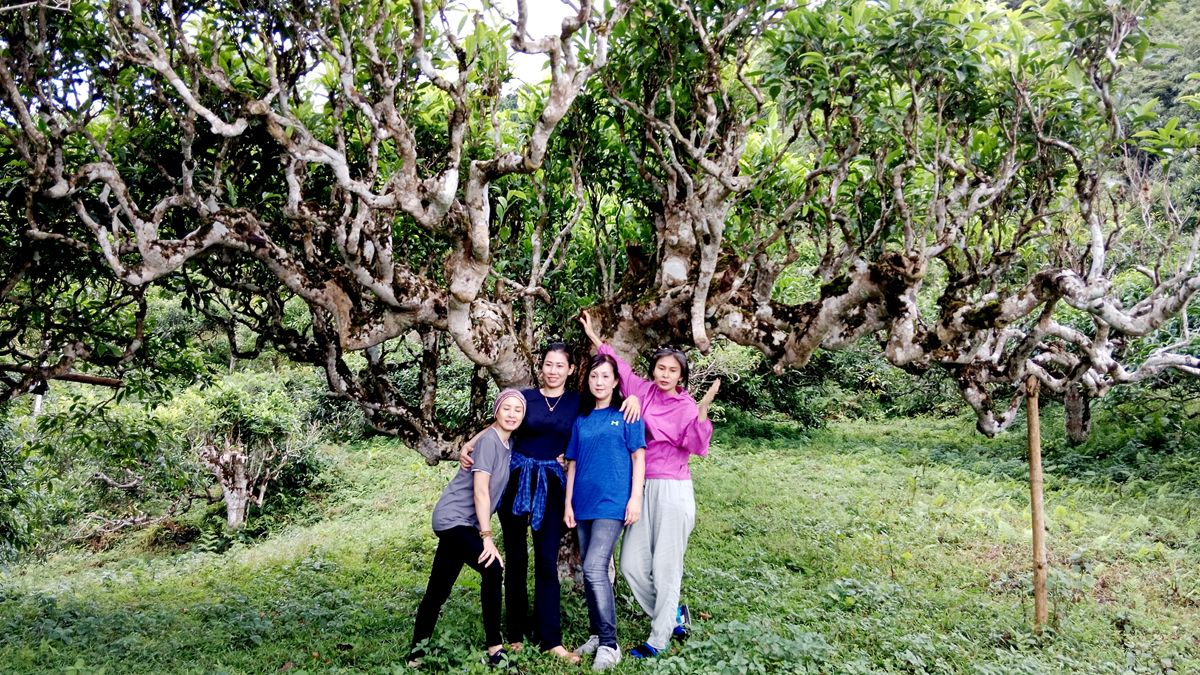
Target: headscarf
507,393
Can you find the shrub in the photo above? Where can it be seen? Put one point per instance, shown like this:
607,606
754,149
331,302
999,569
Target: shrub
134,463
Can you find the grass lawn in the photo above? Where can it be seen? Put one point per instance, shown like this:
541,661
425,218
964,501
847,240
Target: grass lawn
897,547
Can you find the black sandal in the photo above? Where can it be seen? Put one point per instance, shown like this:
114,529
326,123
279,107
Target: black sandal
499,660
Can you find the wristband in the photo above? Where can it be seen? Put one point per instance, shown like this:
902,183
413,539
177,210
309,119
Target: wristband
484,534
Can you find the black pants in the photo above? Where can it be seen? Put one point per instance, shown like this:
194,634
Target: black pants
457,546
547,628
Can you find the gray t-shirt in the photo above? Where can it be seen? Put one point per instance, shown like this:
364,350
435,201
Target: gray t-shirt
457,505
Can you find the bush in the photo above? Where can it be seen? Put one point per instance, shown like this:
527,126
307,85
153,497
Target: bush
18,491
148,452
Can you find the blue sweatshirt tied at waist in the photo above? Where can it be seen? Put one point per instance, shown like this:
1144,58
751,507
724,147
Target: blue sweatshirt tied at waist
535,504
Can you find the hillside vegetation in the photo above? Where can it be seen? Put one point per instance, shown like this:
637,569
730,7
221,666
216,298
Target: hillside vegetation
859,548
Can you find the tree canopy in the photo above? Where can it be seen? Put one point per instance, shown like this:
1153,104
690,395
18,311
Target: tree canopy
356,185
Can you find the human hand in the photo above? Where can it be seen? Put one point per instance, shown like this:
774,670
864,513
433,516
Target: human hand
569,516
490,553
562,460
464,457
585,320
631,408
633,510
708,398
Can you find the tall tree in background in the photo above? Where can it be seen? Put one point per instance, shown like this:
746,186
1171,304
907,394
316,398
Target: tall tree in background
960,182
335,155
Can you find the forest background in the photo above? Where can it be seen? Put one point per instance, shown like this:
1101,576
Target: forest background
223,461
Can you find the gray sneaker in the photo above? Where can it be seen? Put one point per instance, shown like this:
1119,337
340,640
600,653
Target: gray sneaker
606,657
589,647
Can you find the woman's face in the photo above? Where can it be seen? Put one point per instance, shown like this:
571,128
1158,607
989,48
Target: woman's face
556,369
667,373
602,381
510,414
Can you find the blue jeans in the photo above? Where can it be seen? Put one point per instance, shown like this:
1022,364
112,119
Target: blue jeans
597,541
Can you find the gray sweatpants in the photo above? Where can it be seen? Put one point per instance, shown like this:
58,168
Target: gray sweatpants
652,553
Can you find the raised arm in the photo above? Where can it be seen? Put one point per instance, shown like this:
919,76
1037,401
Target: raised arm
708,399
697,435
586,320
631,384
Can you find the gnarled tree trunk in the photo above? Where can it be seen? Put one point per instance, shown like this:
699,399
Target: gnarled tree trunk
1078,414
228,465
243,472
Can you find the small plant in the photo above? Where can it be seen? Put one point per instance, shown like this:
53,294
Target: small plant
854,594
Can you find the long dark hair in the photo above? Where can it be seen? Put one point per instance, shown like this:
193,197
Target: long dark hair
664,352
588,401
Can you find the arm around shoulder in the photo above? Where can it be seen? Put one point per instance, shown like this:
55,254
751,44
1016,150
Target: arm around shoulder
487,453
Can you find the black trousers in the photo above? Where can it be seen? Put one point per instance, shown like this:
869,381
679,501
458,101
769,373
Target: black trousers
456,547
546,628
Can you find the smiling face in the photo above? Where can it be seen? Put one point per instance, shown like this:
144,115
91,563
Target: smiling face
510,414
667,373
601,382
556,368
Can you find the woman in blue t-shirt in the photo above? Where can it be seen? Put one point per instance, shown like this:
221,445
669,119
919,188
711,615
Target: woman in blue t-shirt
534,500
606,470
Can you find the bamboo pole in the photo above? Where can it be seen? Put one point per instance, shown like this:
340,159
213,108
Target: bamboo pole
1041,566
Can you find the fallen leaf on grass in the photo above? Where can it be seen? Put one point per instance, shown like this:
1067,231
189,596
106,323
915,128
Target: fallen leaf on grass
287,666
704,615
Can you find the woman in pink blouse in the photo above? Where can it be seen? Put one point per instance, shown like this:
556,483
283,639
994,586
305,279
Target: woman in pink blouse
676,428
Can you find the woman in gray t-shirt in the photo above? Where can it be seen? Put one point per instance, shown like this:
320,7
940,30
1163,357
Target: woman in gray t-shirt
462,521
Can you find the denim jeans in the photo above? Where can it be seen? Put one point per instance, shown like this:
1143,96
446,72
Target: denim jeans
597,541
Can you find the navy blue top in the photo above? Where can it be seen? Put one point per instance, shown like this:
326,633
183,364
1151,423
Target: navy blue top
544,434
601,446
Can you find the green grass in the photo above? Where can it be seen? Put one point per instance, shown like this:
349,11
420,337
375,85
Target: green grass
898,547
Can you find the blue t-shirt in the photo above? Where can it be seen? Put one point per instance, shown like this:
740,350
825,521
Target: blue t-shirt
601,445
544,434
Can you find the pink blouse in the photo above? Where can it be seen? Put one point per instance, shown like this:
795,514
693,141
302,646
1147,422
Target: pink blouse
674,431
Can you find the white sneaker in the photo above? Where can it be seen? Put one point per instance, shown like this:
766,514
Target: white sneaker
606,657
589,647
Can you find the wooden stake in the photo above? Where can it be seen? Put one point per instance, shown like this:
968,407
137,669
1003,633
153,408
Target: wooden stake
1041,566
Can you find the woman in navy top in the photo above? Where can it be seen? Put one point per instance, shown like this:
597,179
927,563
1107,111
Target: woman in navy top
535,498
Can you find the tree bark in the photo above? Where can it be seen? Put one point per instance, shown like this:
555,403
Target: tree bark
237,498
570,560
229,466
1078,414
